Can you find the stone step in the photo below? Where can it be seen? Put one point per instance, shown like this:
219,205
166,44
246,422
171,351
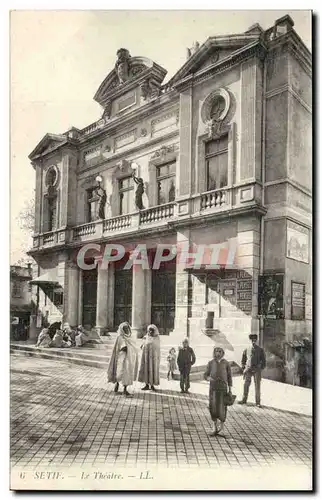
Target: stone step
75,360
65,353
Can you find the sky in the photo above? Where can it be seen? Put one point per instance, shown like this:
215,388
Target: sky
59,59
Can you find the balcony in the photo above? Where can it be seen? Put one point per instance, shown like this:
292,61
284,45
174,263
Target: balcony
182,211
129,223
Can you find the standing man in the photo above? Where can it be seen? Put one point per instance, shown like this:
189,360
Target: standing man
186,358
253,362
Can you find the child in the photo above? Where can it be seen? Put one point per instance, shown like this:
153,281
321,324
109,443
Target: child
186,358
172,365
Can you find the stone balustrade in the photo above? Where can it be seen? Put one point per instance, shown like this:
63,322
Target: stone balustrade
157,214
211,201
48,238
214,199
88,229
117,223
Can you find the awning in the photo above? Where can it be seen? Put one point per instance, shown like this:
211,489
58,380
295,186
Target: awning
299,343
49,278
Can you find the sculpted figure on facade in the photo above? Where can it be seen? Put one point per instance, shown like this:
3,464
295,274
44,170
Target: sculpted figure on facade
139,192
102,198
122,65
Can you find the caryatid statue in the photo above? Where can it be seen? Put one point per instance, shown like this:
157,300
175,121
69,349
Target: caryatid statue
122,65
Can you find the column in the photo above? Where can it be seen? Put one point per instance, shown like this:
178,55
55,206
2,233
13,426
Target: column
102,298
71,294
80,298
183,282
141,299
110,296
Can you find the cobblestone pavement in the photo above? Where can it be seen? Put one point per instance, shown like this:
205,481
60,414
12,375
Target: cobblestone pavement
67,415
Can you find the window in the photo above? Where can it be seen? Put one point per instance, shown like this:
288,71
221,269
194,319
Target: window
298,301
52,213
16,289
217,163
166,178
125,191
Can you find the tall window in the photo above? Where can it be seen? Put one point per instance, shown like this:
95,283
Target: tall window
166,182
52,213
217,163
125,192
16,291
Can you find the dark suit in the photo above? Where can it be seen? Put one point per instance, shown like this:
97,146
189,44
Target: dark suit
186,358
253,362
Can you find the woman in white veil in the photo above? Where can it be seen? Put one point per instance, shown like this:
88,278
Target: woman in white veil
149,372
123,365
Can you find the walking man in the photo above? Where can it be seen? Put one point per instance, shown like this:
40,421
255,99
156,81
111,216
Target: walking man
186,358
253,362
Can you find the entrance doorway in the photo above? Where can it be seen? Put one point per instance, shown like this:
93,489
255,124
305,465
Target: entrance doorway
122,296
89,297
163,300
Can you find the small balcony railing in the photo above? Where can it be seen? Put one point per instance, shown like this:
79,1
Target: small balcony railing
157,214
48,238
117,223
214,199
84,230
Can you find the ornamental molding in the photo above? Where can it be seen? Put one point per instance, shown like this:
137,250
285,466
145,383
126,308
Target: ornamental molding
218,95
165,154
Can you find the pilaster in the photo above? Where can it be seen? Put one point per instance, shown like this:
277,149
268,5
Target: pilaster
141,299
102,298
71,292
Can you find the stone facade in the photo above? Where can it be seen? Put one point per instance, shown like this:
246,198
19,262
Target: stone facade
247,97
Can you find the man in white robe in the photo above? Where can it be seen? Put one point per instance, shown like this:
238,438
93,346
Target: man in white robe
123,365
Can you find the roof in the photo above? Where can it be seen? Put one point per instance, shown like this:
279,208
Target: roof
49,278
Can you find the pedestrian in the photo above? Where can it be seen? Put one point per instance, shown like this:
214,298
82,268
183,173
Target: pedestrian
44,339
81,337
218,373
172,363
69,334
253,362
186,358
123,365
58,340
150,361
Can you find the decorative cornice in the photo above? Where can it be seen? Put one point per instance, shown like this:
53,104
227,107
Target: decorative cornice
257,49
129,152
288,88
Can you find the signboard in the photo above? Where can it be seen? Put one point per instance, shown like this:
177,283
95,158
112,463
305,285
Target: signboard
298,301
271,296
297,242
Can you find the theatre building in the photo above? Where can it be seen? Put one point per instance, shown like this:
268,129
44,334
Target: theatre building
219,155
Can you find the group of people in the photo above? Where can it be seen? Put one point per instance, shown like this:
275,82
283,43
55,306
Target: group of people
124,366
124,369
55,336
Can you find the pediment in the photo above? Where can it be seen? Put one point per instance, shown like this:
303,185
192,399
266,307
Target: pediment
214,51
48,143
127,73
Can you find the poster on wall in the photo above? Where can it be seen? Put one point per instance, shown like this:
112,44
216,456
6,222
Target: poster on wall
298,301
270,296
297,242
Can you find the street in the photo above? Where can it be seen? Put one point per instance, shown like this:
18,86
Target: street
67,415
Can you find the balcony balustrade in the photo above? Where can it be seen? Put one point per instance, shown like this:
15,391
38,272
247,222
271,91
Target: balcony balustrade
210,202
157,214
214,199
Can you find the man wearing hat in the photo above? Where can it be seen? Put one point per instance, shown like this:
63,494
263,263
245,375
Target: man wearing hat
253,362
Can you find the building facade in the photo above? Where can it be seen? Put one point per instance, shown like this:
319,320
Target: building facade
20,301
220,156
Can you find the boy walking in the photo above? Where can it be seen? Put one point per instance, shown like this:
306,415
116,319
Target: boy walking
186,358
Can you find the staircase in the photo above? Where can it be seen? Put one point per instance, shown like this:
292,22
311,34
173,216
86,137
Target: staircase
95,355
